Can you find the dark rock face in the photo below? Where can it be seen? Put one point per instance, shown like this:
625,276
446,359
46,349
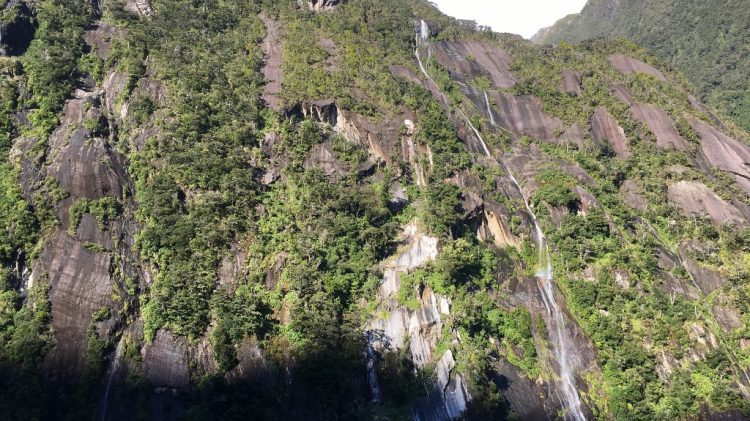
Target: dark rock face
166,361
81,284
18,31
525,396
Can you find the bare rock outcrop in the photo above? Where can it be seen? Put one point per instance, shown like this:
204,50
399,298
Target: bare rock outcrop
450,395
724,152
629,66
82,162
166,361
271,69
470,59
80,285
661,125
695,198
653,117
604,128
571,82
422,327
632,195
100,38
322,157
523,115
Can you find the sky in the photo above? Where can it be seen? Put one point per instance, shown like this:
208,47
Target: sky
523,17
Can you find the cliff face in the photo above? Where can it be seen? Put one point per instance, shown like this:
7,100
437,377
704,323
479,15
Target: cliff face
696,37
361,209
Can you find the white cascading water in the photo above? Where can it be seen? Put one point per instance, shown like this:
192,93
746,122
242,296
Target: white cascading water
570,397
115,364
489,110
422,38
571,401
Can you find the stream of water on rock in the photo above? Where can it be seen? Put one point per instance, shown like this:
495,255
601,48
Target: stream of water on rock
115,364
561,342
570,399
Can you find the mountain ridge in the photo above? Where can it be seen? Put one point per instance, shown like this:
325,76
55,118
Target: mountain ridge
362,210
696,37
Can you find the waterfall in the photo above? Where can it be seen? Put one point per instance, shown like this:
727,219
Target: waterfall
424,31
422,38
571,401
561,342
372,373
476,132
489,110
115,364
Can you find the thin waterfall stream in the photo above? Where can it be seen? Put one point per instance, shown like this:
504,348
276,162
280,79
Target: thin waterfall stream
489,109
561,343
115,365
570,400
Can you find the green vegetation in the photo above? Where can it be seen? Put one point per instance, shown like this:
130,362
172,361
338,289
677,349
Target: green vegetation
699,38
104,210
252,250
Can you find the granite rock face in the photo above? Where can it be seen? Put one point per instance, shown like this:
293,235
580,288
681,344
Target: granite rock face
631,66
655,119
523,115
724,152
272,65
486,60
571,82
695,198
80,284
604,128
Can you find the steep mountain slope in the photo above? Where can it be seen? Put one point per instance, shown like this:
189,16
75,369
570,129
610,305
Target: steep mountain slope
707,41
360,210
